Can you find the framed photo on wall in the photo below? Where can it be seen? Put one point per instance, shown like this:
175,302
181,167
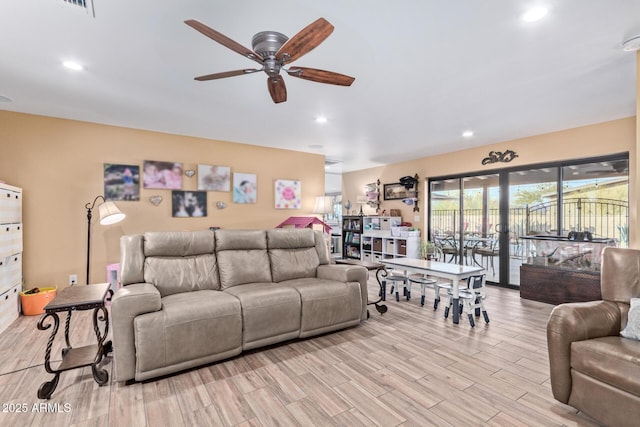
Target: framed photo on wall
121,182
214,178
395,191
288,194
186,204
245,187
162,175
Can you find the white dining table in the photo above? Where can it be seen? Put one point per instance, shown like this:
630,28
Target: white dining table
445,270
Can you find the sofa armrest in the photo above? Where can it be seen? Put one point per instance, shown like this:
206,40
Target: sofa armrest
347,273
127,303
576,322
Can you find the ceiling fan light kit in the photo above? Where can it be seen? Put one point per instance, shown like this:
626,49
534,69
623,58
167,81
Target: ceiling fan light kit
273,51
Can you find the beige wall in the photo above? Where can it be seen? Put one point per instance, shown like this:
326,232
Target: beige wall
589,141
634,237
59,165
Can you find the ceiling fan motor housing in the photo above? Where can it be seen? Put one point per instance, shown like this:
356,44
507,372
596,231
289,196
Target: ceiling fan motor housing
267,43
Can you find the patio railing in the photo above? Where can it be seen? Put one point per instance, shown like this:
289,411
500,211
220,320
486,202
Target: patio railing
601,217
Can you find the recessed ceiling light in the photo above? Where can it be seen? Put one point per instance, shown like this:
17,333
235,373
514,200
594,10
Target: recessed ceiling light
321,119
73,65
632,44
467,133
316,146
5,98
534,14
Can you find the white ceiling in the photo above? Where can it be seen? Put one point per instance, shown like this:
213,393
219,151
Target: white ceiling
425,71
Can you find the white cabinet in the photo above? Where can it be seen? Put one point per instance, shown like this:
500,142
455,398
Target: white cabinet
10,254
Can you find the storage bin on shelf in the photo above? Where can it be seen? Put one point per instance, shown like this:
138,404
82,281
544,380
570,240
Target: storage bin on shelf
402,247
33,304
390,247
385,224
398,231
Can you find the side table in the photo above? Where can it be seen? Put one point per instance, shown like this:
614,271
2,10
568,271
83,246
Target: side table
78,297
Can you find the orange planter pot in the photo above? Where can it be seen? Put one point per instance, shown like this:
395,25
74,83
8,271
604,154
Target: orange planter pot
33,304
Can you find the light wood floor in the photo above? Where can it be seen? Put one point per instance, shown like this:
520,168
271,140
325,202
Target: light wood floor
410,367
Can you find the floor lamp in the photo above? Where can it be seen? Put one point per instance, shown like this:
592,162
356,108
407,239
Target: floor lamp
109,214
323,205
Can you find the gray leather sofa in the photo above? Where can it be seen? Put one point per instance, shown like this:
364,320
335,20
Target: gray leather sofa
593,368
192,298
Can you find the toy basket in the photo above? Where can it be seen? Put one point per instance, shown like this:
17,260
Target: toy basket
33,304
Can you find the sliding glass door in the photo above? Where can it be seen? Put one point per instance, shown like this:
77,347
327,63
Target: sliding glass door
464,218
529,213
480,219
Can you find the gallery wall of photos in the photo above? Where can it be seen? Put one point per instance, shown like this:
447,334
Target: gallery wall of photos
123,182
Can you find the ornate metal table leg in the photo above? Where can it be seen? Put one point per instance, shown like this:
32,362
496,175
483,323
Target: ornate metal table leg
48,387
67,323
382,308
100,314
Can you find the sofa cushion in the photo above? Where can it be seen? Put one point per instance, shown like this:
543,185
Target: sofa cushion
327,305
178,243
632,330
293,253
191,325
172,275
613,360
270,313
242,257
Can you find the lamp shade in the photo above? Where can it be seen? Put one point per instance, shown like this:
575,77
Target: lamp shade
324,205
110,214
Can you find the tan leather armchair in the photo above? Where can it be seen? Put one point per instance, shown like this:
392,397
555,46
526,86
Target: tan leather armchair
593,368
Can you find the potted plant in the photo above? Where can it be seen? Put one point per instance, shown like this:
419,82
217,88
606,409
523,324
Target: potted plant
427,250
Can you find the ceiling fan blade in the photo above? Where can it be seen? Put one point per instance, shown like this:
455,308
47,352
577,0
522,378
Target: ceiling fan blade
224,40
321,76
277,89
305,41
225,74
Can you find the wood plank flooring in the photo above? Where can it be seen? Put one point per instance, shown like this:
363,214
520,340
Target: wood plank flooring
410,367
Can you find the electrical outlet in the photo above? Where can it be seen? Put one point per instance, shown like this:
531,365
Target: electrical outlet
73,279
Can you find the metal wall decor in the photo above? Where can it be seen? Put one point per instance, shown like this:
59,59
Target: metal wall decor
499,156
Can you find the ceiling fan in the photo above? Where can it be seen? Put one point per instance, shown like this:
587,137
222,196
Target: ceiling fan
273,50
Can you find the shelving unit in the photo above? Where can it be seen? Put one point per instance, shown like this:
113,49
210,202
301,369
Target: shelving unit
10,254
370,238
352,236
